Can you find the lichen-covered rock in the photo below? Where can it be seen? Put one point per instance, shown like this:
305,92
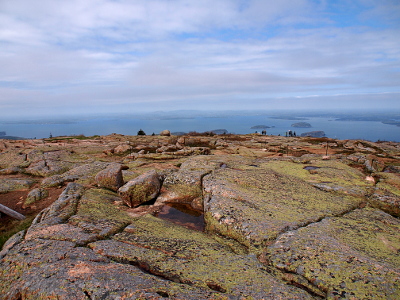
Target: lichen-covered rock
192,258
352,257
252,203
328,175
61,270
82,174
185,185
141,189
49,163
58,180
286,227
13,184
13,159
111,177
193,151
386,195
35,195
62,209
11,171
121,149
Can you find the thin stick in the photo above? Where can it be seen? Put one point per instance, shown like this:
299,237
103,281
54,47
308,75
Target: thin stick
11,213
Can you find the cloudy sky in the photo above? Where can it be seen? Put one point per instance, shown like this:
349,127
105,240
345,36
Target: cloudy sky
110,56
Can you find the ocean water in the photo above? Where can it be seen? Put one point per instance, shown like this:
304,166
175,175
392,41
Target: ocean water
367,130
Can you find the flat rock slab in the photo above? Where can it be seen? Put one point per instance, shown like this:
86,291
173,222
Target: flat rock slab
14,184
327,175
193,258
47,269
355,256
253,203
84,174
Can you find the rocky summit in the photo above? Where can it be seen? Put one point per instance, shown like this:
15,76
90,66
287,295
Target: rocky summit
200,217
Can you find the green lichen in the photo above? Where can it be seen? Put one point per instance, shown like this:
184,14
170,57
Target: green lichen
255,205
186,256
389,182
332,171
98,204
355,255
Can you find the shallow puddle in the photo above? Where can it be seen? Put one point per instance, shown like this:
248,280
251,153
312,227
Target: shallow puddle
182,214
308,168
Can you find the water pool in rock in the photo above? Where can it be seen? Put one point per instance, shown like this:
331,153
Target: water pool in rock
182,214
310,168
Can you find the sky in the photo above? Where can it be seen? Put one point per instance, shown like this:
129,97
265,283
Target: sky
119,56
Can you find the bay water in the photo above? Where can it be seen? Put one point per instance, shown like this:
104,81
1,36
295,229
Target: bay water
238,124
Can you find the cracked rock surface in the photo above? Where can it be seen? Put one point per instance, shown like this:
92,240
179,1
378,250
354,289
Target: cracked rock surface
277,227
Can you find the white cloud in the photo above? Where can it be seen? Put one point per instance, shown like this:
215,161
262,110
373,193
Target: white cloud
124,52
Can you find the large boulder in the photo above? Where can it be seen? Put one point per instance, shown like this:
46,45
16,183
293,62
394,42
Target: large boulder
165,133
143,188
111,177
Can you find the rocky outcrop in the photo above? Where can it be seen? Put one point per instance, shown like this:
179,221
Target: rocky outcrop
277,226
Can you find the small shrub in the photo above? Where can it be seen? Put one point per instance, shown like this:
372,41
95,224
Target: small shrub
141,132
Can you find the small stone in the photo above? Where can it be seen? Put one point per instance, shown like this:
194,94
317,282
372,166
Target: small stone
35,195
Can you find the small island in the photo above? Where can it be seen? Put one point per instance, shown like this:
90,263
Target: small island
260,127
219,131
316,134
301,125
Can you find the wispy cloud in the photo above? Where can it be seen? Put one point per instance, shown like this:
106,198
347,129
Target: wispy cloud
98,54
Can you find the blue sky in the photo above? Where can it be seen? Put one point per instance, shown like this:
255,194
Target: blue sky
111,56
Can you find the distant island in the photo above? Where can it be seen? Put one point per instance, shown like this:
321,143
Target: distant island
314,134
4,136
219,131
302,125
392,122
260,127
215,131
